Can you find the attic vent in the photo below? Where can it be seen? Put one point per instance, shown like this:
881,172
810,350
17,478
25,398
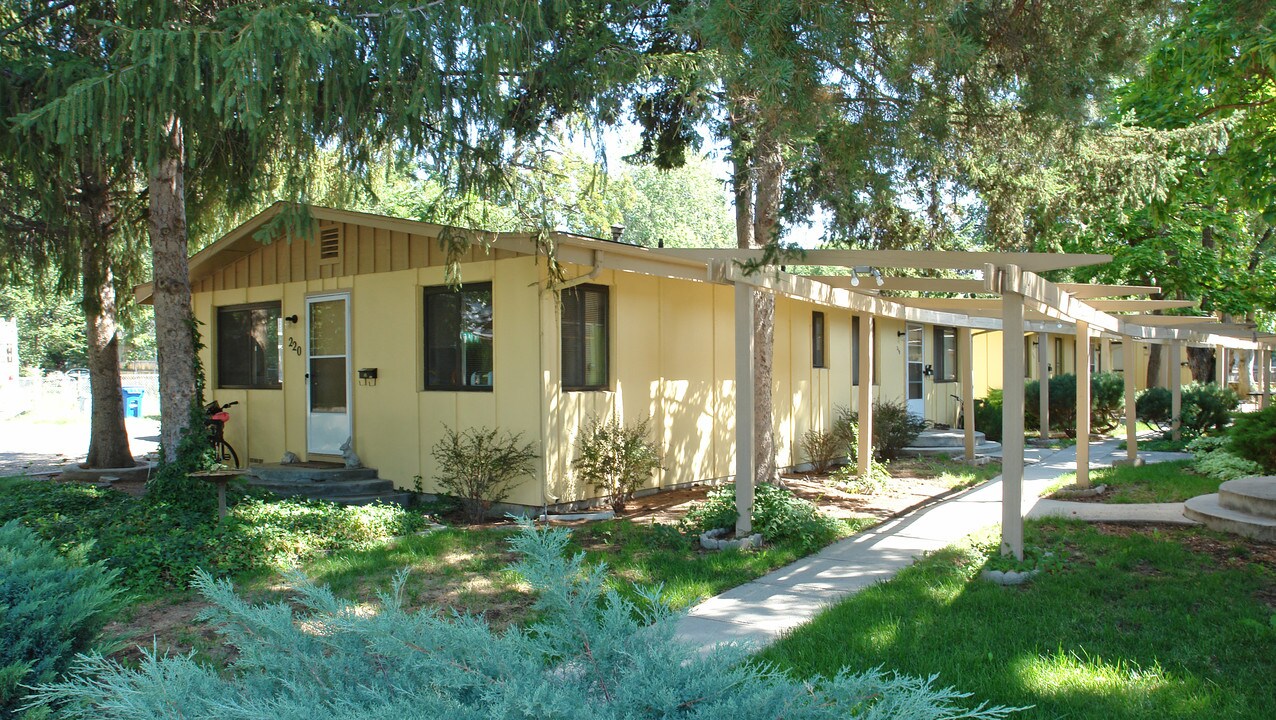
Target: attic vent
330,244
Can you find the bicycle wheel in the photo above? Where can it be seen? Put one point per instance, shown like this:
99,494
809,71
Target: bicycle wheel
223,452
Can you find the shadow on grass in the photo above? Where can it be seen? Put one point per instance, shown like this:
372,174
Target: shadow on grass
1134,626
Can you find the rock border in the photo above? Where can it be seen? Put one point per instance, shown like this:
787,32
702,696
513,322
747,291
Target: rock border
713,540
1072,491
1009,577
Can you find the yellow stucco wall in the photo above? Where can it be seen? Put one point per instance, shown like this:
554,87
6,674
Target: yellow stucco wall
672,348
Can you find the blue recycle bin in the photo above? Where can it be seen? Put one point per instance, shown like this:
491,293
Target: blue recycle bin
132,401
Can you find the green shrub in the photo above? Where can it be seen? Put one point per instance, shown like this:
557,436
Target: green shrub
988,415
1152,406
1107,401
616,458
480,465
847,431
777,513
52,607
894,428
157,544
875,480
591,655
1223,465
822,449
1253,437
1206,407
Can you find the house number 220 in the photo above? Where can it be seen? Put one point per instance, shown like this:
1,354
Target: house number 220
294,346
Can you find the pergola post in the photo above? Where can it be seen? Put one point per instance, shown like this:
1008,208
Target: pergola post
1043,383
1130,359
744,410
864,443
1012,423
1105,355
1083,404
1176,390
965,365
1220,366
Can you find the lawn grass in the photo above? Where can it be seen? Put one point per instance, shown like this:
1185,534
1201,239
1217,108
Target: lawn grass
954,473
1163,482
1135,625
467,570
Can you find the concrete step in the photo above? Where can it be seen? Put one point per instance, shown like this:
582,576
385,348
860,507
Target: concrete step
402,499
985,448
1206,510
326,490
1253,495
282,474
945,438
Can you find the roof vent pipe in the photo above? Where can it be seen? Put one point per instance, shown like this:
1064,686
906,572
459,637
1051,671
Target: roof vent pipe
616,232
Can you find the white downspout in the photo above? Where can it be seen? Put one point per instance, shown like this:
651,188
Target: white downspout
591,275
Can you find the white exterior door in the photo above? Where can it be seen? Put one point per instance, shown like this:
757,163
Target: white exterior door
914,375
328,387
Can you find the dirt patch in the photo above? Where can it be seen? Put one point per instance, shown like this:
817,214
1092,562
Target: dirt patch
171,628
900,494
1225,551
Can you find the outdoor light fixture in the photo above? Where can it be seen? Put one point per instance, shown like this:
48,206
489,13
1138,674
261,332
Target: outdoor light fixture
877,275
855,278
292,319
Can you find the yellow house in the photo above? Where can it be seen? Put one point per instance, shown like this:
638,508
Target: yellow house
357,334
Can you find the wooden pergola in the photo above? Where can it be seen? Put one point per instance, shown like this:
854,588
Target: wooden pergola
1024,302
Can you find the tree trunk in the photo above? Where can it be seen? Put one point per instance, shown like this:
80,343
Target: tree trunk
1201,362
766,209
174,341
108,436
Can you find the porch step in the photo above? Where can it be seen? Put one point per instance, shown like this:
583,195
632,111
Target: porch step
326,489
333,483
307,473
1206,510
1253,495
948,442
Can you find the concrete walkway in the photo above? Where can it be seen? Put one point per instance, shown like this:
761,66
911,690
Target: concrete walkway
760,611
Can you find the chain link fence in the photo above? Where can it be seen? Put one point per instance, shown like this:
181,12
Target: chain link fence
58,395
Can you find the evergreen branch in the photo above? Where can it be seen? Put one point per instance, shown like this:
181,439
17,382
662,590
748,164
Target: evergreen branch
1234,106
32,19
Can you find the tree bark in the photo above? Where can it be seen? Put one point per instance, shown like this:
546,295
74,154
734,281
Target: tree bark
1201,362
1154,365
108,435
174,341
766,210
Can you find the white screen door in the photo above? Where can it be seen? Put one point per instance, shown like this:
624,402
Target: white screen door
328,373
916,358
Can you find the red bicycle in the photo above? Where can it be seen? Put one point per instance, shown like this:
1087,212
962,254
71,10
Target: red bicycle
216,423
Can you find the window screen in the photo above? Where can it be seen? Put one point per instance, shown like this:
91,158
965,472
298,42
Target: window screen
585,337
249,352
458,338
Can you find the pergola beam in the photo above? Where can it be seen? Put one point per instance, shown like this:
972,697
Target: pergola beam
917,259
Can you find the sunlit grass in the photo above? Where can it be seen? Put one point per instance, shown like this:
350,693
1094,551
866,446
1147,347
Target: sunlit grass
1138,626
1156,483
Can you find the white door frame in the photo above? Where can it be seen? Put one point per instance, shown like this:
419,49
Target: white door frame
322,437
916,406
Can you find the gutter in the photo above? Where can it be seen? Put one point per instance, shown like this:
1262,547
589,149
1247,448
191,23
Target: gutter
591,275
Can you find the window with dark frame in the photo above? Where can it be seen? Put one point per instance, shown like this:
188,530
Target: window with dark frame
945,354
817,339
249,351
458,338
585,338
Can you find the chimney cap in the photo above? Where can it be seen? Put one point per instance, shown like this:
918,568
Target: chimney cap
616,232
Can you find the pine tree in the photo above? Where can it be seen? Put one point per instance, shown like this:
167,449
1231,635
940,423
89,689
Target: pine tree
592,655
